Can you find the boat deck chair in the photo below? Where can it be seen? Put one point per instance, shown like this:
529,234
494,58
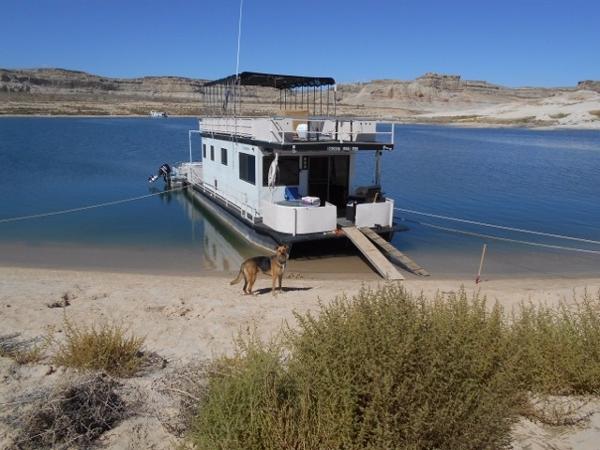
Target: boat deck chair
291,193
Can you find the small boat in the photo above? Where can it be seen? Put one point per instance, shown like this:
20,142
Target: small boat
291,177
158,114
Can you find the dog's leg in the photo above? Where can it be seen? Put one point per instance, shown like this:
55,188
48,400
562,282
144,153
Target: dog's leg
280,278
273,279
251,281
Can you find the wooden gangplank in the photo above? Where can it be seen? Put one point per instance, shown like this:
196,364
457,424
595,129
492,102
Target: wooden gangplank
385,268
395,254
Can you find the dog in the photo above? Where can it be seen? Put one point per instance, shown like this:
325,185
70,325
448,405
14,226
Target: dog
269,265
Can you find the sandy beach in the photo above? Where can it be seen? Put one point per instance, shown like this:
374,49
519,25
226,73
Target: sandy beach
186,318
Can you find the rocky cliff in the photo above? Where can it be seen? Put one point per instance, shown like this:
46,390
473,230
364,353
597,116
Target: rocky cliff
60,91
70,82
589,85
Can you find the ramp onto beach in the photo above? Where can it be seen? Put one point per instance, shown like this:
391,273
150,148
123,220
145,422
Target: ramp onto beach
385,268
396,255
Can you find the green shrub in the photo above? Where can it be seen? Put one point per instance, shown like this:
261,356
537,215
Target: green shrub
390,370
385,370
559,348
250,402
106,347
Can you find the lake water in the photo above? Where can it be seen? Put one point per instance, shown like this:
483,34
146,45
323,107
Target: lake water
541,180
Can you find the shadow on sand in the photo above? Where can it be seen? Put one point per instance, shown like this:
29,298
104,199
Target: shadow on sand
283,290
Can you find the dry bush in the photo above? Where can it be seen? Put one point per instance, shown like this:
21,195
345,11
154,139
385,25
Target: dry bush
176,396
23,351
595,113
72,414
106,347
558,410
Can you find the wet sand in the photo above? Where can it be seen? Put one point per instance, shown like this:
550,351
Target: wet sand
165,261
157,260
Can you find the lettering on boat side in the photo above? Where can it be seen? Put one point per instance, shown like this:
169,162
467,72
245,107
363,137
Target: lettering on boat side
340,148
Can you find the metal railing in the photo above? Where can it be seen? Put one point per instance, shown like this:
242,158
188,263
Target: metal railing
283,130
193,173
342,132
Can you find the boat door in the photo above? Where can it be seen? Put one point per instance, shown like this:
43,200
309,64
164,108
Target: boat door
328,179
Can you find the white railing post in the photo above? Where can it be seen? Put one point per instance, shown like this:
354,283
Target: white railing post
295,221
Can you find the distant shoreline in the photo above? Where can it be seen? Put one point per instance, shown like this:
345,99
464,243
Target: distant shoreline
431,98
95,116
449,123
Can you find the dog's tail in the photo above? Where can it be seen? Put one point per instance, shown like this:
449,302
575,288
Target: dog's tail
238,278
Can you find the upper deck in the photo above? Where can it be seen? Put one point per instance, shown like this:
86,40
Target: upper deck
300,134
305,119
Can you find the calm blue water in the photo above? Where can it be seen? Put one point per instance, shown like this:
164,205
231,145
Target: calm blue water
541,180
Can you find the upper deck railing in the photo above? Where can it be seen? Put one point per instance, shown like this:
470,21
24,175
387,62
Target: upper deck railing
290,130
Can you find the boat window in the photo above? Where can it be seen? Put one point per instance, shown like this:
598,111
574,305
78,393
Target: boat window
212,152
247,168
288,173
224,156
203,151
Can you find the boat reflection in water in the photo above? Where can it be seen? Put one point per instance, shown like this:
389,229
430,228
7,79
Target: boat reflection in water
221,248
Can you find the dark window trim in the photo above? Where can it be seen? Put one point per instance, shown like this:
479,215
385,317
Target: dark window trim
203,151
212,152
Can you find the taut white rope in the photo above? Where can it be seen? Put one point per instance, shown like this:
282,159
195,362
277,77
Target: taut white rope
516,241
499,227
84,208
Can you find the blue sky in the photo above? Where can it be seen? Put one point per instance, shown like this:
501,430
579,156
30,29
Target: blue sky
514,43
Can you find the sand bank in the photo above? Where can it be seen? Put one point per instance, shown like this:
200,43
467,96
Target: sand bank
188,317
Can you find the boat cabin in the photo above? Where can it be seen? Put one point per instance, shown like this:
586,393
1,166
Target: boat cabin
291,175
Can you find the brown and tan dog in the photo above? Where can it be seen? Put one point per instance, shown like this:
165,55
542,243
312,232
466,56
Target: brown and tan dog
269,265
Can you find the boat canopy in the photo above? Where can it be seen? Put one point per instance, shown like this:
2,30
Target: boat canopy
272,80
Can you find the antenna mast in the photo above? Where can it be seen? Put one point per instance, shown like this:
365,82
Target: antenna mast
237,62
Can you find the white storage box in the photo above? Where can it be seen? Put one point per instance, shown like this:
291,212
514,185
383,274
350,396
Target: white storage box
313,201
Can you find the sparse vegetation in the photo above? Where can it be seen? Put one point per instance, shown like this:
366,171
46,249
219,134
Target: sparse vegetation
23,351
527,121
107,347
181,389
595,113
559,115
451,119
389,370
75,413
517,121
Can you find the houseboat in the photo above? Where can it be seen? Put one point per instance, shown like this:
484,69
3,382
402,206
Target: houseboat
287,178
158,114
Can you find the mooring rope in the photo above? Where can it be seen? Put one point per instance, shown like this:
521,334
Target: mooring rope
499,227
87,207
498,238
